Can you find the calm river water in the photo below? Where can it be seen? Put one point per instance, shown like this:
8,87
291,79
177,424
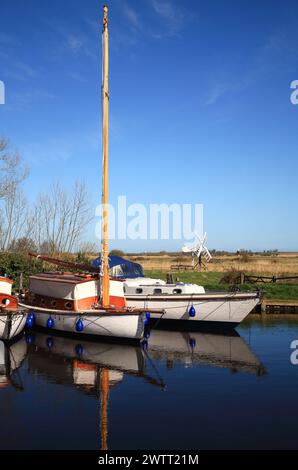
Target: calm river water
184,391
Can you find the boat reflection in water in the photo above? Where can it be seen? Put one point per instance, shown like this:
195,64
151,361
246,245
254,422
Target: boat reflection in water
11,358
95,367
228,350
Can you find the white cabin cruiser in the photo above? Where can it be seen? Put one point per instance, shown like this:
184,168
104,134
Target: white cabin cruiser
181,301
190,302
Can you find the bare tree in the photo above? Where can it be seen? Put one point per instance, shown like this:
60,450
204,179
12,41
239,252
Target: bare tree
60,218
13,204
55,223
15,217
86,247
23,245
12,169
79,216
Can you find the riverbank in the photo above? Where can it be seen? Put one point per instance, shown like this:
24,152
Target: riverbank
13,264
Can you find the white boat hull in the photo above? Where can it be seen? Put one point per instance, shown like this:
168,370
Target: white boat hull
215,308
11,324
127,326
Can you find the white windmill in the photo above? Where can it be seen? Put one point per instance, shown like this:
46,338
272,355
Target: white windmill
198,251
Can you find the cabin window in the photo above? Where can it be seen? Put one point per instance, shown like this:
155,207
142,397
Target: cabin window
42,301
177,291
54,303
5,301
139,290
68,305
157,291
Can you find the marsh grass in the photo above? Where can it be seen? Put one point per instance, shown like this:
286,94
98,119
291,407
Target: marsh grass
277,265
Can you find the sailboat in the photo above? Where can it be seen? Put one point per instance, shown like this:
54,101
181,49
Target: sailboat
12,316
87,303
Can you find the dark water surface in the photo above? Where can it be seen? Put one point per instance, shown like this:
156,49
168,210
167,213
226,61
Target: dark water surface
187,391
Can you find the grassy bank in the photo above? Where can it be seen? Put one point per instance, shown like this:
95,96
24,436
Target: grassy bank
12,264
212,281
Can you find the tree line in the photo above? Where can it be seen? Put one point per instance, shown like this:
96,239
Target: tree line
54,223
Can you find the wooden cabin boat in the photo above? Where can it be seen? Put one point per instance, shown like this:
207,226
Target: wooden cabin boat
12,316
71,303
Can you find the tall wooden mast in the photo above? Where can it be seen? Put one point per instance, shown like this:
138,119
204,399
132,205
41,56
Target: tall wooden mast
105,141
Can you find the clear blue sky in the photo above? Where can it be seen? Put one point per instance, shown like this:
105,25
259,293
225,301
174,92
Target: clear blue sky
200,107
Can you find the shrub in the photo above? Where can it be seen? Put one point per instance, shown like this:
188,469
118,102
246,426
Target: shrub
244,257
231,277
117,253
12,264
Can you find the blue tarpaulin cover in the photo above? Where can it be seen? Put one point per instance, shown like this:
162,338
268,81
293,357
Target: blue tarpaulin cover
127,269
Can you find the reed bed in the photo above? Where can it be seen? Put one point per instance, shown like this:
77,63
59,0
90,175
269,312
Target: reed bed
278,265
